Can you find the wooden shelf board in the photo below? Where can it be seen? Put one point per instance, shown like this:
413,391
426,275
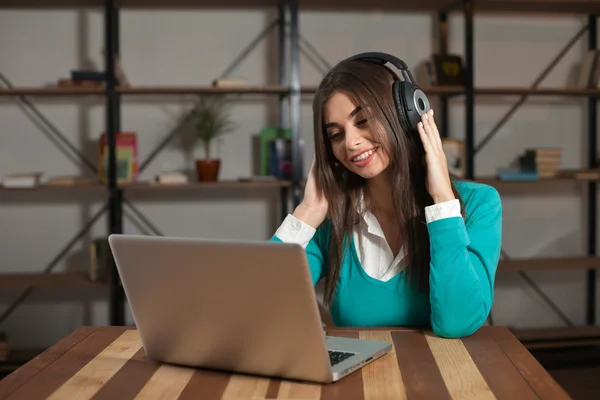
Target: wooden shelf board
327,5
520,91
514,91
447,90
498,91
562,343
46,280
193,185
528,186
538,6
161,90
548,263
135,186
146,4
494,181
224,184
51,91
143,90
585,331
544,338
534,6
44,187
430,90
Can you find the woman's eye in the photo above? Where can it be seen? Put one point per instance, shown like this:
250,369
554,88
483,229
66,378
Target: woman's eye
362,122
335,135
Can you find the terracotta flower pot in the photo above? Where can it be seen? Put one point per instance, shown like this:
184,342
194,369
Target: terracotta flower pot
208,170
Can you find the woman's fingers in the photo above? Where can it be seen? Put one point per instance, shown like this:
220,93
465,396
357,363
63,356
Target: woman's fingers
434,130
431,131
424,137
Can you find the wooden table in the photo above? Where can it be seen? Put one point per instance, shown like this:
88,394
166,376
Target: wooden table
109,363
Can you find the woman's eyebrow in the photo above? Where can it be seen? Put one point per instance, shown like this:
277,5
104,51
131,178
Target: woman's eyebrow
352,114
355,111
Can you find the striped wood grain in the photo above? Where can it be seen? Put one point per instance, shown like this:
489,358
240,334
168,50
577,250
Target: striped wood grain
382,379
86,382
166,383
22,375
110,363
461,376
58,372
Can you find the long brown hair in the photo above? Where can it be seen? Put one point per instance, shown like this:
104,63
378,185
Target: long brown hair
369,85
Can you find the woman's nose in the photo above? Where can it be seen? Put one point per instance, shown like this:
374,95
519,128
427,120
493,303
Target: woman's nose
353,138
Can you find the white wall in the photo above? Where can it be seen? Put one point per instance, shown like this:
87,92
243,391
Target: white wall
192,47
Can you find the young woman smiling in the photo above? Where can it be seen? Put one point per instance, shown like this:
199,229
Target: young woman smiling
398,240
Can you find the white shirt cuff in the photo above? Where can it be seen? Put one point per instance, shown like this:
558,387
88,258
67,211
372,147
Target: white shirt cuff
293,230
446,209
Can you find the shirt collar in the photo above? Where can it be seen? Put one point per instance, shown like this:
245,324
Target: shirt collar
369,219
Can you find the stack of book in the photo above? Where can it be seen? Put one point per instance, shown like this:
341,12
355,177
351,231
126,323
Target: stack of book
544,161
533,164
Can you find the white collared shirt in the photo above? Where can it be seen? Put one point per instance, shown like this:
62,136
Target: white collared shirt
373,251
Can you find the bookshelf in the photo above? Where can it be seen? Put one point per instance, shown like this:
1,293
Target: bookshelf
290,90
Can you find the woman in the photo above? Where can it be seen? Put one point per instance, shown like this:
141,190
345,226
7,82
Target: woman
398,241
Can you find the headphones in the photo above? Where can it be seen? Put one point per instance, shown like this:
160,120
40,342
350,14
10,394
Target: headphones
410,101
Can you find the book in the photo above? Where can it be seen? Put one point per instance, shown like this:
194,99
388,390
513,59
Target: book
268,135
21,181
280,158
126,154
99,253
174,177
517,175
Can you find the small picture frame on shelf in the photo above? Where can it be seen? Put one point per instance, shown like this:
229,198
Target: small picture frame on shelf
454,149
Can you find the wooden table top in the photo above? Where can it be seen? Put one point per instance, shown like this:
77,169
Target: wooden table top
109,363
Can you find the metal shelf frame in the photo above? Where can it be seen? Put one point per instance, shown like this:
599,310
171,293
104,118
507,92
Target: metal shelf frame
289,76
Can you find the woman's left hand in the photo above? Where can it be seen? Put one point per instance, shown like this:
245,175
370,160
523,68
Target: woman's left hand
438,178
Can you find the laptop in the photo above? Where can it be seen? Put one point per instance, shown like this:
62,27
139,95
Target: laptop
238,306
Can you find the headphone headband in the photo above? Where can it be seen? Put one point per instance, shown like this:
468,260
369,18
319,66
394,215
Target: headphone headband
382,59
409,99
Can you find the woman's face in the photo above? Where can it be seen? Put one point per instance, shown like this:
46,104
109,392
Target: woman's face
351,138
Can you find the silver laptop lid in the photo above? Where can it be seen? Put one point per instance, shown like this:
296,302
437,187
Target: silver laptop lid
242,306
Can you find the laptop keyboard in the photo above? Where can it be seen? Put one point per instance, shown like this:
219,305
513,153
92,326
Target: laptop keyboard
336,357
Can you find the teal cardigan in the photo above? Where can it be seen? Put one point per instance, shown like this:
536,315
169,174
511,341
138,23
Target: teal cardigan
464,258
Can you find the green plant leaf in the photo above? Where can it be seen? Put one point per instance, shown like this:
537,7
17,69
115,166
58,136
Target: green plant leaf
211,119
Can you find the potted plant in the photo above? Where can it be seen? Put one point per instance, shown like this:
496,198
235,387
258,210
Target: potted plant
210,119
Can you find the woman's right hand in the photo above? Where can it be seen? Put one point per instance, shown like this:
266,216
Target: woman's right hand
313,208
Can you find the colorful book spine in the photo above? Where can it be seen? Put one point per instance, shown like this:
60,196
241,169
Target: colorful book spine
127,157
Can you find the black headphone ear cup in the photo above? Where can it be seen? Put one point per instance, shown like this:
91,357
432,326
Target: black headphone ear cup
411,103
399,98
413,117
